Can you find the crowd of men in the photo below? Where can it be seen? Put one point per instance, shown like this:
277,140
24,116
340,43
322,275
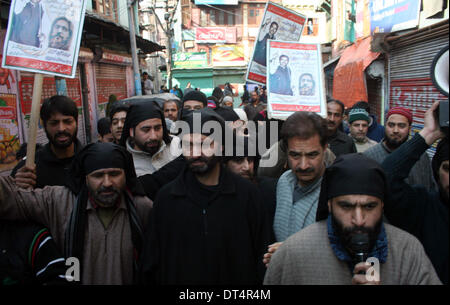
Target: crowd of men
164,196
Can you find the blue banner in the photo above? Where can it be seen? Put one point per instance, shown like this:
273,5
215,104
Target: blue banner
393,15
218,2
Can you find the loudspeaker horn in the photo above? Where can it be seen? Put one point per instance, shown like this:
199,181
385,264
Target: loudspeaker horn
439,71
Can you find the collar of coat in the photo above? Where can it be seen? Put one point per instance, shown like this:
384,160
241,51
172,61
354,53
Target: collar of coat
185,181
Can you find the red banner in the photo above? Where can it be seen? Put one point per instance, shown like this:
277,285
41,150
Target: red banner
38,65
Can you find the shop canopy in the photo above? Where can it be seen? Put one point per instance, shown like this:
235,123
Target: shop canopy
349,82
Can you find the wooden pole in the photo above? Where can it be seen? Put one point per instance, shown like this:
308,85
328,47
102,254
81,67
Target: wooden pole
34,119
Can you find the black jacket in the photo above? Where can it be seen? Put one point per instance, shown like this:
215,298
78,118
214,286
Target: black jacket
415,209
194,240
341,144
28,255
49,169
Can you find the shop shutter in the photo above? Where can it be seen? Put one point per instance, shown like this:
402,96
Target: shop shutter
110,79
409,70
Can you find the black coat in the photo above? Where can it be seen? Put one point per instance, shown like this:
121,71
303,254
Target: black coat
49,169
194,241
415,209
341,144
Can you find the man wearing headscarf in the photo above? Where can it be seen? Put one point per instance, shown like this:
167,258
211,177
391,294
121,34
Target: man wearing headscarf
336,250
98,219
413,208
147,138
208,224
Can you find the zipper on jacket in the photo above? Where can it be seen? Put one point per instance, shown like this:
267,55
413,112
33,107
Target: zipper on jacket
205,224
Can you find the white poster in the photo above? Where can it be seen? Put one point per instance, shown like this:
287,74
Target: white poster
295,79
278,23
44,36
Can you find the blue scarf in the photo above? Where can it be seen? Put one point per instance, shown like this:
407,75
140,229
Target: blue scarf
380,250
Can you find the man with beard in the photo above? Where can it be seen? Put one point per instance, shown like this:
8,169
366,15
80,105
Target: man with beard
60,34
207,226
397,130
280,81
59,115
254,107
413,208
338,141
306,84
98,219
147,139
353,192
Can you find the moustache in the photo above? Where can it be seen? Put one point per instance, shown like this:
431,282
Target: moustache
304,171
107,189
199,159
62,133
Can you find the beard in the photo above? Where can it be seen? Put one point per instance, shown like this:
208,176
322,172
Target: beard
58,42
208,164
106,200
151,146
394,143
345,234
58,144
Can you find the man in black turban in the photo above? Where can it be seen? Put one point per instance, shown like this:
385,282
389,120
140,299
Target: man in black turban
97,220
146,137
340,248
207,225
414,209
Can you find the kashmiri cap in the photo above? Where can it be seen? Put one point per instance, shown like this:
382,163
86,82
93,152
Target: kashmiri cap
358,114
440,156
351,174
402,111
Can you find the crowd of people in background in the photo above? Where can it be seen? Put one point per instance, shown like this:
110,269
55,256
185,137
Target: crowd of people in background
151,203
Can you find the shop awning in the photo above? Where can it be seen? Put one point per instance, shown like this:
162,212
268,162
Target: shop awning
349,83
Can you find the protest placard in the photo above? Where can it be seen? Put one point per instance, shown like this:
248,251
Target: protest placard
278,23
295,79
44,36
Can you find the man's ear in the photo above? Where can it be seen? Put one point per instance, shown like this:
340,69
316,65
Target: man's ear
132,132
329,206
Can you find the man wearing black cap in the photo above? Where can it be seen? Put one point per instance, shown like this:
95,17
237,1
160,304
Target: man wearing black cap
414,208
97,220
194,100
208,225
351,245
146,137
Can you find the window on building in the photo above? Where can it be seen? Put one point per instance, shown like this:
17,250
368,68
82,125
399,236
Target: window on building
230,18
221,18
203,18
212,18
107,8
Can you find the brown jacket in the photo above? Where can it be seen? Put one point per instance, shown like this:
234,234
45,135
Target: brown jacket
108,252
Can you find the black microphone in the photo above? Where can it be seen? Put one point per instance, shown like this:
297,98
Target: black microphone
359,246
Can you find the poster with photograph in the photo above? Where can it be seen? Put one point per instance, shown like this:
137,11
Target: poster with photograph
9,131
44,36
295,79
278,23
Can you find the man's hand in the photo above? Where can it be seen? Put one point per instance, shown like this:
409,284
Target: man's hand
271,250
361,279
431,131
26,177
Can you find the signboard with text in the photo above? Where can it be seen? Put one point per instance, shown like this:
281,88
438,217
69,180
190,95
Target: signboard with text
215,35
228,55
189,60
278,23
391,16
44,36
295,79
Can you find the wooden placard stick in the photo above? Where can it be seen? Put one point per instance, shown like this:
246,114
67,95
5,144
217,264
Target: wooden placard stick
34,119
